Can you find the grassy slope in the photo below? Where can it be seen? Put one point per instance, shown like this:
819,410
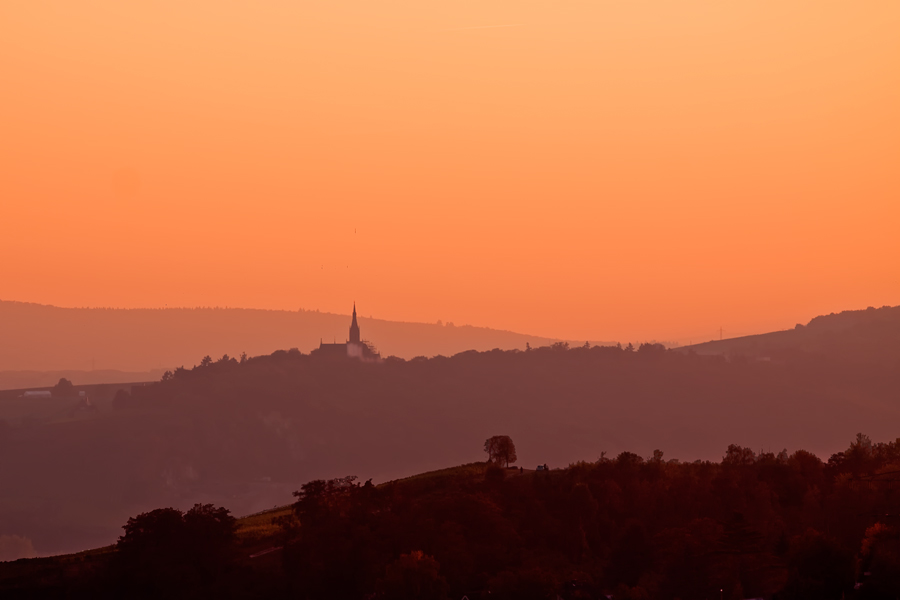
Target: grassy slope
260,529
868,335
256,533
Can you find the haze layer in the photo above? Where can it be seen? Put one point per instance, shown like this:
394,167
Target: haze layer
43,338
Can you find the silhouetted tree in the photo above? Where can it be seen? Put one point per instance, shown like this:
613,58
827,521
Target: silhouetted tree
859,457
168,553
64,388
212,531
500,449
738,456
650,349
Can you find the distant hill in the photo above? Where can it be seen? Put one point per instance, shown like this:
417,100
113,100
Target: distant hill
14,380
860,336
45,338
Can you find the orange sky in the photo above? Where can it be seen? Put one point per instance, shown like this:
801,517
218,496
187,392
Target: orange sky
602,169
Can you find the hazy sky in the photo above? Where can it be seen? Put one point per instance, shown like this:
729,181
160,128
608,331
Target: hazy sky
606,169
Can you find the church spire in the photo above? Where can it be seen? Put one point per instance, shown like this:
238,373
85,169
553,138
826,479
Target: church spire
354,327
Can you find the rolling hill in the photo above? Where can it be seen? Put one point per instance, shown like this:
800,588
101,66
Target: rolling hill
42,338
247,434
869,336
753,524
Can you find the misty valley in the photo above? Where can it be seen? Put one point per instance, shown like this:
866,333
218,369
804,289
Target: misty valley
636,472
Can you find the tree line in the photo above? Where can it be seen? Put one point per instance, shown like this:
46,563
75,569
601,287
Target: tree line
754,525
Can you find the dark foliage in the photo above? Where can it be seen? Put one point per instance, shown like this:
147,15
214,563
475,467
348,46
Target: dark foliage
169,553
500,450
122,399
754,525
64,388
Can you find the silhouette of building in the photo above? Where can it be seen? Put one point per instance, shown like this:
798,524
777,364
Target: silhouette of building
354,328
355,347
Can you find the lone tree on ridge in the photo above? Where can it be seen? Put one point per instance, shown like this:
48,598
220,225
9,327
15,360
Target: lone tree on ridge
500,449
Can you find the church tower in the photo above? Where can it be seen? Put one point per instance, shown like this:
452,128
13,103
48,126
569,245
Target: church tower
354,328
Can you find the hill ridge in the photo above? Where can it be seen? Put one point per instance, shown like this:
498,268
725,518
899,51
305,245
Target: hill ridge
44,337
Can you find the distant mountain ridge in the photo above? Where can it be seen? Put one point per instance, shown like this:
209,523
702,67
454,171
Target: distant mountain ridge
47,338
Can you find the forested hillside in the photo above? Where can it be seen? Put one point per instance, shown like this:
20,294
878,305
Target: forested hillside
246,434
751,525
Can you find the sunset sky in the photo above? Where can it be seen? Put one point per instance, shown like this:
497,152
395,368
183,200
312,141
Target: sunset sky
604,170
